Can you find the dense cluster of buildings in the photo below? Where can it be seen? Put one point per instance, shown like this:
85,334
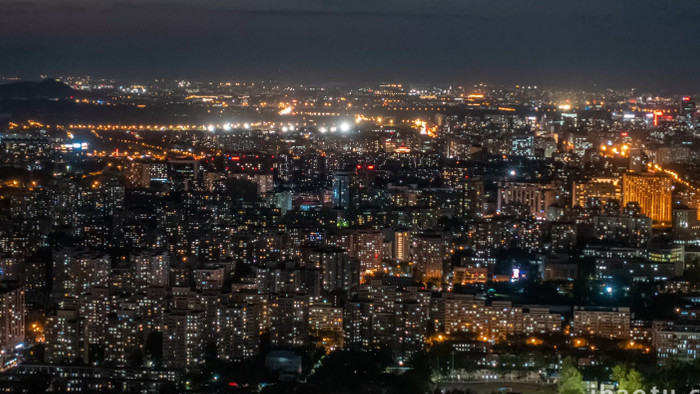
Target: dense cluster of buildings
377,233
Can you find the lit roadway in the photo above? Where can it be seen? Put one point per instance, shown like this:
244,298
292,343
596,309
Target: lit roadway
135,146
676,177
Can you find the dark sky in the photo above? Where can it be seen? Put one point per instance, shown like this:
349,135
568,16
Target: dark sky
568,43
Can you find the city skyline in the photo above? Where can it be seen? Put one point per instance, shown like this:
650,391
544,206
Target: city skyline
257,236
349,196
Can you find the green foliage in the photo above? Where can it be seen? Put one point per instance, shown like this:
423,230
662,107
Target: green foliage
680,375
349,369
570,379
627,378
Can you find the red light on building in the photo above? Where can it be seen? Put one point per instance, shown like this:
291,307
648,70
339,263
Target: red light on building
370,167
625,134
686,98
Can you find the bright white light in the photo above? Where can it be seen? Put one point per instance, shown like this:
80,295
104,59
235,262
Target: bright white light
333,129
344,127
322,129
227,127
285,129
512,172
608,289
246,126
291,128
211,128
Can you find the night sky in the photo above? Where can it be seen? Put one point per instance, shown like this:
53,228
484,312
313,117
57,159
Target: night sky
564,43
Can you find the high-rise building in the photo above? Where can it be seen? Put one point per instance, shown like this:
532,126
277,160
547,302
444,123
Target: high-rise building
471,197
152,270
64,340
652,191
94,309
563,235
402,245
534,198
238,330
541,320
341,190
685,223
152,305
462,313
368,249
183,339
324,317
602,188
429,253
388,314
688,110
12,314
623,229
76,271
35,274
124,337
264,182
140,174
289,321
465,314
338,270
209,278
616,262
326,323
674,341
9,268
523,145
111,196
667,260
183,172
611,323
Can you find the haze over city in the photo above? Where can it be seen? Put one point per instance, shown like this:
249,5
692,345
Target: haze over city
564,43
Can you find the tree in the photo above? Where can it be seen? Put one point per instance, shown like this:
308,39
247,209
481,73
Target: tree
675,373
570,379
627,378
347,370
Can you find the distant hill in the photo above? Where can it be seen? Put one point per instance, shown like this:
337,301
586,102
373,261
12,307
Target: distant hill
48,88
